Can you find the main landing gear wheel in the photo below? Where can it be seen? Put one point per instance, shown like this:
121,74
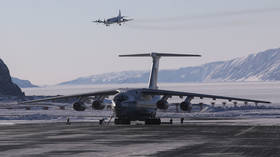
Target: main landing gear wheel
122,121
152,121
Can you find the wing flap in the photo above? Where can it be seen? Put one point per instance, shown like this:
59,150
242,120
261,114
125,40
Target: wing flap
107,93
176,93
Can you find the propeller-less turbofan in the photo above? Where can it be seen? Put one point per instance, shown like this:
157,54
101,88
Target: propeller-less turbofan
141,103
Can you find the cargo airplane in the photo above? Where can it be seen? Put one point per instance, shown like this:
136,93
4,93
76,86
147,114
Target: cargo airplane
118,20
141,103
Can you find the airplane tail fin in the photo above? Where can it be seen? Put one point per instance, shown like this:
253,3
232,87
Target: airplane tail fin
120,13
155,66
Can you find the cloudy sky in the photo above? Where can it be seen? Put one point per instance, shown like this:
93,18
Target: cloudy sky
50,41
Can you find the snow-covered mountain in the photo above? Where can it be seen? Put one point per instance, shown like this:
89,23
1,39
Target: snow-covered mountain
263,66
22,83
114,77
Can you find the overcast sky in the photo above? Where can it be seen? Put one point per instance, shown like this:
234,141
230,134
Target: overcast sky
50,41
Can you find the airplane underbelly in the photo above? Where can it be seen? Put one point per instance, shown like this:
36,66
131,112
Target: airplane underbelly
145,105
136,112
112,21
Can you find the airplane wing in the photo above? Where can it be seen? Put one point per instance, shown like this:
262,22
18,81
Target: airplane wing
214,97
99,93
99,21
126,20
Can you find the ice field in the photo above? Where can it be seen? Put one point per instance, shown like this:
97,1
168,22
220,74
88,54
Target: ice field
269,91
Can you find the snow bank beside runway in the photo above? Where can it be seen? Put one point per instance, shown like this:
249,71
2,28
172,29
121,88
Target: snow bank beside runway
208,112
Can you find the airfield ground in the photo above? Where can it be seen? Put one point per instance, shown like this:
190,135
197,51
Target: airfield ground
193,138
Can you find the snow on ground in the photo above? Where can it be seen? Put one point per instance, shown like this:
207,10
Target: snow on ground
254,90
11,116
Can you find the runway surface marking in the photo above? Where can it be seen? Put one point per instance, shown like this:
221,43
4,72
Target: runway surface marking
89,139
245,131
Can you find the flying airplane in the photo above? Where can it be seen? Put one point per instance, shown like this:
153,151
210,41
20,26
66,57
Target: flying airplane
118,20
141,103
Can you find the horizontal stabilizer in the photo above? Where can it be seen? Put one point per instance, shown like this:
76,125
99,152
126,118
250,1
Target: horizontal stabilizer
159,55
156,57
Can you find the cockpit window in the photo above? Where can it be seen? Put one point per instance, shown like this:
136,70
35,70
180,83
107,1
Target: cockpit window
120,98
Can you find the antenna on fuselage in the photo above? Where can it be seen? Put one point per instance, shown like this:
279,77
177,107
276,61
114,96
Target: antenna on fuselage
155,67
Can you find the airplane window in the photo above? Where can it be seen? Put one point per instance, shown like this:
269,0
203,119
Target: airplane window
120,98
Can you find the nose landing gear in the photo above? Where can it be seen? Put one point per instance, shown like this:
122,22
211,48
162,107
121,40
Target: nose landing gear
156,121
122,121
147,121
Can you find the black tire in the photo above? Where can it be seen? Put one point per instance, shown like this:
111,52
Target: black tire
152,121
122,121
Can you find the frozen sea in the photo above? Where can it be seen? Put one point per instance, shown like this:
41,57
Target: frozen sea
269,91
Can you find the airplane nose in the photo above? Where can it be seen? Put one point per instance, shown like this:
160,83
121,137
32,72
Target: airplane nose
118,103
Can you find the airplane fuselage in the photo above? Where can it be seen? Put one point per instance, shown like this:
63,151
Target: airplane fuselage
113,20
131,104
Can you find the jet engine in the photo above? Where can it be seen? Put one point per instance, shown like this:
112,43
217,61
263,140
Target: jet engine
79,106
162,104
186,106
98,105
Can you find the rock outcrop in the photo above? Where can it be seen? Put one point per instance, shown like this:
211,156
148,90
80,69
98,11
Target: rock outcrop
7,87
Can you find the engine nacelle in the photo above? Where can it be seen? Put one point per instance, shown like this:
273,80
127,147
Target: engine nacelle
162,104
79,106
186,106
98,105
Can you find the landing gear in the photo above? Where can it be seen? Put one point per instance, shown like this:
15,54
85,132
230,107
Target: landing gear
68,121
147,121
122,121
153,121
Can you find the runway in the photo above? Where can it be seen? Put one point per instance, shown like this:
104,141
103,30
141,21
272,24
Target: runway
203,138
